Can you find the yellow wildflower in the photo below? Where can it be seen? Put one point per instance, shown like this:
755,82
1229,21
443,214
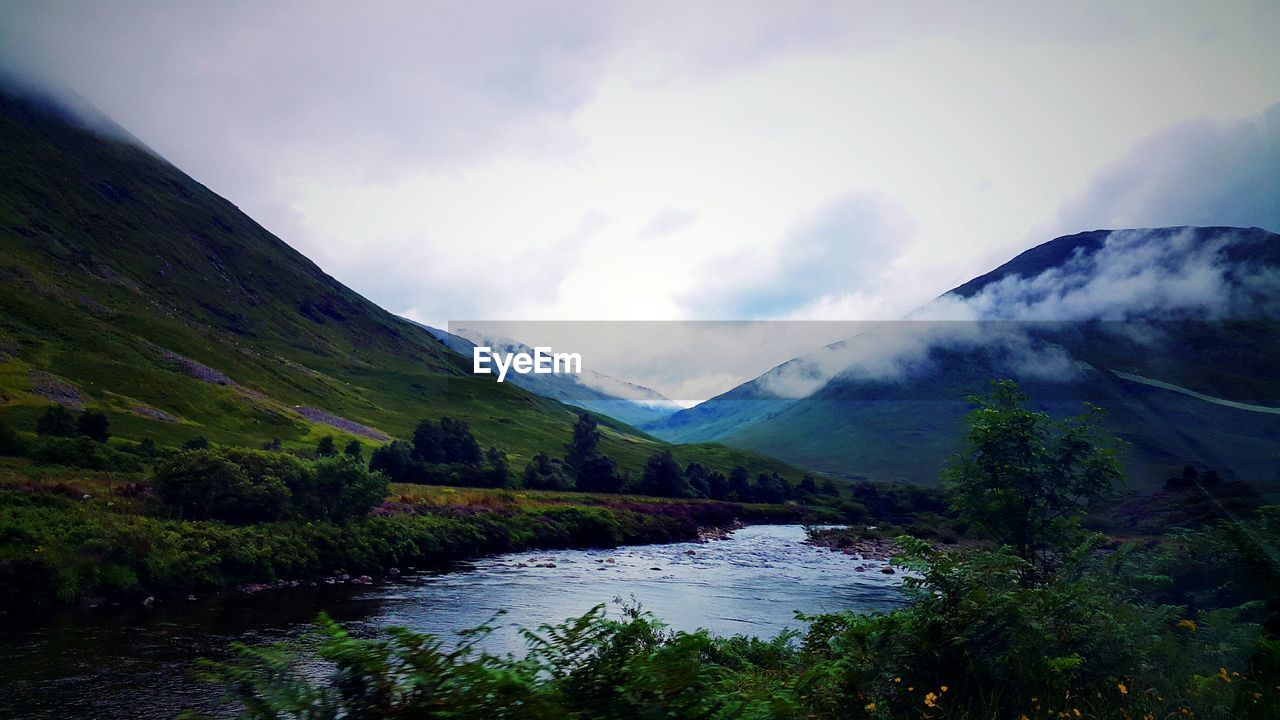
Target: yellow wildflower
1189,625
1123,690
1222,673
931,700
870,707
943,688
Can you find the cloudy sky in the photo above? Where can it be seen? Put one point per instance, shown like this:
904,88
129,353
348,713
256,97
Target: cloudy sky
665,160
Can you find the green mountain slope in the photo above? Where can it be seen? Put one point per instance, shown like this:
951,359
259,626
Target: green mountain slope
1174,331
127,285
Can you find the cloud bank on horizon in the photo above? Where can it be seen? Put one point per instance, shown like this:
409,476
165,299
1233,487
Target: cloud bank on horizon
1134,283
572,160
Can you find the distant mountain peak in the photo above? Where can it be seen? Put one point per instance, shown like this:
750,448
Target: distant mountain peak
1173,329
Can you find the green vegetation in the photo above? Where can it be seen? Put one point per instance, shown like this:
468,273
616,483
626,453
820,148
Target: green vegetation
978,642
235,485
1064,624
128,287
1024,479
91,516
69,535
447,453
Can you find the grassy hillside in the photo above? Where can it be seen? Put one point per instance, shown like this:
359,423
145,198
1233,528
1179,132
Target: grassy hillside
127,285
1208,395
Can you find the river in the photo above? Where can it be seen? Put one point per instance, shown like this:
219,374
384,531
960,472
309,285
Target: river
136,662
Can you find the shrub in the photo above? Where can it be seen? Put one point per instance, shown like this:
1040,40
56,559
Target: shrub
56,422
662,476
338,488
81,452
546,473
10,444
1025,479
232,484
395,460
94,425
326,447
599,473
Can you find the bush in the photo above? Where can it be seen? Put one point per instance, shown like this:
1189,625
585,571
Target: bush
662,476
81,452
546,473
10,444
239,485
338,488
395,460
230,484
56,422
326,447
94,425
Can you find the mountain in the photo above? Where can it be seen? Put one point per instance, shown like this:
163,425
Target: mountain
627,402
128,286
1173,331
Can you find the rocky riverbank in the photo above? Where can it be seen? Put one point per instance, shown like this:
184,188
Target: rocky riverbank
857,543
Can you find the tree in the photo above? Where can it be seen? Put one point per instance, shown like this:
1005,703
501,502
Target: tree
829,487
498,472
592,472
717,486
94,425
769,488
232,484
56,422
273,445
586,438
395,460
599,474
354,450
326,447
196,443
448,441
806,487
1025,479
458,444
339,487
662,476
428,445
739,485
698,479
544,473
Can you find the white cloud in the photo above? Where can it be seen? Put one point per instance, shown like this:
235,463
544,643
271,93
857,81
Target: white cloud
640,161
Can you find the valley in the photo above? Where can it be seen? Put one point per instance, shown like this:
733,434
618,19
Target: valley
1049,492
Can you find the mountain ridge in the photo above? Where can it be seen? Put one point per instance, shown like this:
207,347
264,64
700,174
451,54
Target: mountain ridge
128,286
1204,295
